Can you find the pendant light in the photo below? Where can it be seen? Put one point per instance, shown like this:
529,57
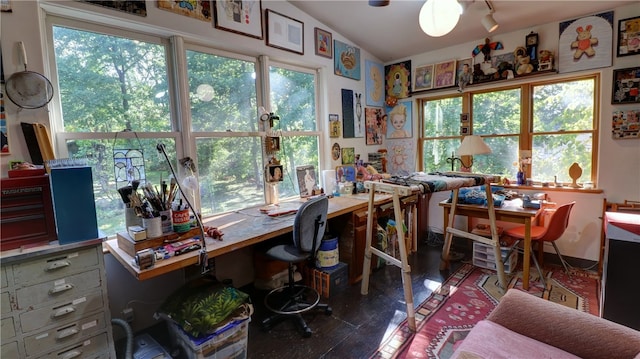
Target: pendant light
439,17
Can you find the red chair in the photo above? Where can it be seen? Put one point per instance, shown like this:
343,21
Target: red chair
557,225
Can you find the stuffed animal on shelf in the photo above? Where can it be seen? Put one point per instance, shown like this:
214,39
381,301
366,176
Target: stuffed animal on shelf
584,43
524,65
546,60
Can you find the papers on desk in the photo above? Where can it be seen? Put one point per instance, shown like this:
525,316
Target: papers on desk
278,211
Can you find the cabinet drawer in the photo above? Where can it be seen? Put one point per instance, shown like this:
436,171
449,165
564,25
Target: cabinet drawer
7,328
61,312
55,266
64,334
9,350
5,303
93,347
58,290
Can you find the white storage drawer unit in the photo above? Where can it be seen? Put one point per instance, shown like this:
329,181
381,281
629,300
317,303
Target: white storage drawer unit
484,256
54,302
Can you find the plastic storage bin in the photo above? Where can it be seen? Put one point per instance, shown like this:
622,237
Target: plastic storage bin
484,257
230,343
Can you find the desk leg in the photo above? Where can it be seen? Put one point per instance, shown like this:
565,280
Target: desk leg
366,268
405,267
526,260
449,218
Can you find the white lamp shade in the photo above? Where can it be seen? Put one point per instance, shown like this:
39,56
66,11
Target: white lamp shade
473,145
439,17
489,23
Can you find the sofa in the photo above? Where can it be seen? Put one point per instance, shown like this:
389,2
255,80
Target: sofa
525,326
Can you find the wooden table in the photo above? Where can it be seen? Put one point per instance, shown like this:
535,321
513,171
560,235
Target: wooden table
241,229
511,211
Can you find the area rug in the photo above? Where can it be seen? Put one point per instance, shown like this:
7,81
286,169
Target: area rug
445,318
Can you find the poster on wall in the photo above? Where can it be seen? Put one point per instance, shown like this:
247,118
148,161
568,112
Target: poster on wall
401,157
374,83
586,43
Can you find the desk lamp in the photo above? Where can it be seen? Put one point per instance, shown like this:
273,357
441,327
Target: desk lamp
202,260
470,146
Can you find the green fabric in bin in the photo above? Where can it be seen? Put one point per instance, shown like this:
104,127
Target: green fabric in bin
200,306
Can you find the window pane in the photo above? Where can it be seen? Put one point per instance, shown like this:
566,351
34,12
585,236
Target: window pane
109,83
504,152
564,106
436,153
293,99
297,151
99,153
442,117
496,112
554,154
222,92
230,173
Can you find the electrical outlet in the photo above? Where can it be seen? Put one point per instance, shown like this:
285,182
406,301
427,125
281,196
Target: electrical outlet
127,314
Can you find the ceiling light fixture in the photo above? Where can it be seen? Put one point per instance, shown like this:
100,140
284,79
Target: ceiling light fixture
439,17
488,21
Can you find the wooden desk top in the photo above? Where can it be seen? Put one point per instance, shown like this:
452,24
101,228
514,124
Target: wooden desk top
241,229
511,211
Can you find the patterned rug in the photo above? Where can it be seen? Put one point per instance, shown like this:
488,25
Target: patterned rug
445,318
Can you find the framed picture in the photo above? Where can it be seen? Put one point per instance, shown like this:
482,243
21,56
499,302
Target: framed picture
273,144
464,130
374,83
626,86
348,155
376,124
628,37
324,43
274,173
131,7
240,17
345,174
626,124
201,10
284,32
444,74
400,120
307,180
423,78
398,79
334,125
464,118
586,43
346,61
335,151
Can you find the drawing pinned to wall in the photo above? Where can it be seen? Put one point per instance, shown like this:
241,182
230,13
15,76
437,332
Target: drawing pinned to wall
374,83
376,121
626,124
401,157
586,43
398,79
346,60
197,9
400,123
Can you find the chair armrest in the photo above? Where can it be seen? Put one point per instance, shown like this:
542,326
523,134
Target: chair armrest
576,332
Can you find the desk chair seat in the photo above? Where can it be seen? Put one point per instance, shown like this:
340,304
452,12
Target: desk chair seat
557,225
292,300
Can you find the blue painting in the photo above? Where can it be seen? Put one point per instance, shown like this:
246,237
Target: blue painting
374,83
346,60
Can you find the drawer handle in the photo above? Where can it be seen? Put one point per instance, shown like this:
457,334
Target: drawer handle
67,333
60,288
57,265
72,354
64,311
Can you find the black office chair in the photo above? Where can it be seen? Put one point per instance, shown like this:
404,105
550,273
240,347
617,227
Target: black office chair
292,300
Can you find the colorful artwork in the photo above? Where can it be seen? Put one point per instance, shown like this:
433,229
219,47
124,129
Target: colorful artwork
626,86
586,43
346,61
348,156
398,79
444,74
629,36
400,120
626,124
376,124
132,7
334,125
307,180
374,83
240,17
423,78
197,9
401,157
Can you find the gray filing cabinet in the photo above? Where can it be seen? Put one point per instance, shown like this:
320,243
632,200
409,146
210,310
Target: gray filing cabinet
54,303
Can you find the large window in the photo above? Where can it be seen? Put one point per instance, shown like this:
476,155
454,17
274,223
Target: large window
554,121
119,93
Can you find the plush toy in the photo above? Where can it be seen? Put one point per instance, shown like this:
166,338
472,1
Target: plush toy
584,43
524,65
545,60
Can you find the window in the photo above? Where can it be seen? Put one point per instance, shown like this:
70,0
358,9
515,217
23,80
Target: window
560,130
118,92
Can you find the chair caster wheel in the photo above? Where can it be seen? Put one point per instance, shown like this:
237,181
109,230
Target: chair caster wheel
328,311
307,333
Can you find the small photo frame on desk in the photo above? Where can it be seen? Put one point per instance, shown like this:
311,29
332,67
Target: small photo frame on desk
307,180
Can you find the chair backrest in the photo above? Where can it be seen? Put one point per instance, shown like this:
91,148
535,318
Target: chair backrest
558,222
309,224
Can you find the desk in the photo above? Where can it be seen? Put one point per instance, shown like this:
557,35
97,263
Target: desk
511,211
241,229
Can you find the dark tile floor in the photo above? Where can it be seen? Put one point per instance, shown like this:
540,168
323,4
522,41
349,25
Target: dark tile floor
358,322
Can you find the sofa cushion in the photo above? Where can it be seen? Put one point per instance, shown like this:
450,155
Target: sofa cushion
490,340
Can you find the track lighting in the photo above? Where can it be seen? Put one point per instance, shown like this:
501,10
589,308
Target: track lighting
488,21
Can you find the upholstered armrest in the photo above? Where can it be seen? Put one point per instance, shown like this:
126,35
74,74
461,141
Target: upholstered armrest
579,333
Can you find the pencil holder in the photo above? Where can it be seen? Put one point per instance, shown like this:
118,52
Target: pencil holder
131,219
166,221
